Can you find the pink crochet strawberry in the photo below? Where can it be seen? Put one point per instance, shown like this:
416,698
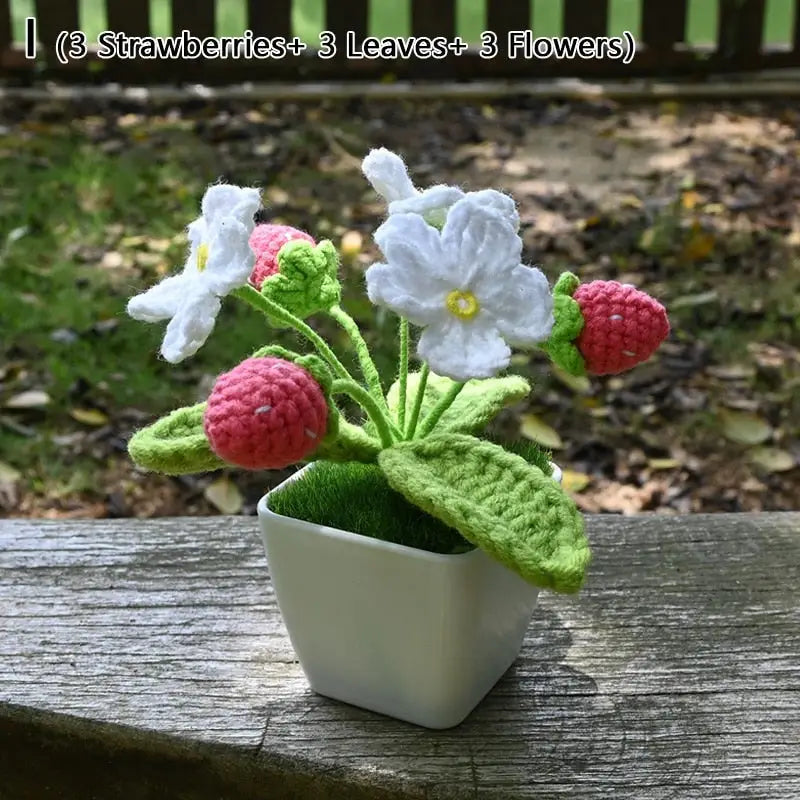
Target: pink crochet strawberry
266,413
266,240
604,327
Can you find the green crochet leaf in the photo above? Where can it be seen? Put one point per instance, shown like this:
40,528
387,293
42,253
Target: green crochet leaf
306,281
568,325
497,501
478,403
351,443
175,444
313,364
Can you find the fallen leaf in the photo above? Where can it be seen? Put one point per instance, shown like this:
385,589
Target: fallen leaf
33,398
573,481
663,463
744,427
580,384
9,478
89,416
112,260
690,199
224,495
699,299
699,245
772,459
540,432
352,241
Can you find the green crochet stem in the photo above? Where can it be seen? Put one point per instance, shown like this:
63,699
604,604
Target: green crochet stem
270,307
429,423
403,374
386,431
423,382
368,368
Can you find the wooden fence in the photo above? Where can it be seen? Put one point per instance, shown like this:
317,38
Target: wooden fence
661,48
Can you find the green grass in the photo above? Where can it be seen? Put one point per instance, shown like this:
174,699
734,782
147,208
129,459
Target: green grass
394,19
334,494
63,205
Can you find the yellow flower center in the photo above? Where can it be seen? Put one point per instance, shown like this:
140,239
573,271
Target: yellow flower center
462,304
202,257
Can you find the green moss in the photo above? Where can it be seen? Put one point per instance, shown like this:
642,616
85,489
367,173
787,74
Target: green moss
334,495
356,497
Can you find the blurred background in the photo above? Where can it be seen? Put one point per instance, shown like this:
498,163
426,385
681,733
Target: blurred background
696,202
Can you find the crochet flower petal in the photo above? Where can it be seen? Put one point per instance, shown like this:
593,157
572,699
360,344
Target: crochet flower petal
464,350
197,231
190,326
160,301
226,200
499,202
484,245
230,258
410,293
522,306
410,244
388,175
435,198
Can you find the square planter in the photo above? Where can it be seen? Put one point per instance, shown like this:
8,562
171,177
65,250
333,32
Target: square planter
415,635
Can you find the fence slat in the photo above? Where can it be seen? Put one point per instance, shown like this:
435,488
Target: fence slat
6,36
797,28
346,15
663,24
503,16
52,18
433,17
128,17
197,16
740,28
582,18
270,17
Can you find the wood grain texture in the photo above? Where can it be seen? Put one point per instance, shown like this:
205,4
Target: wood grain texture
147,659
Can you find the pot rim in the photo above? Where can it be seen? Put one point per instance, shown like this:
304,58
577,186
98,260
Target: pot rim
265,512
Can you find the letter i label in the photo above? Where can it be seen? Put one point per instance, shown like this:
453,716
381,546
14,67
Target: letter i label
30,37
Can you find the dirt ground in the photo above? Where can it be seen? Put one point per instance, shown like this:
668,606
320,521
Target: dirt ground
697,204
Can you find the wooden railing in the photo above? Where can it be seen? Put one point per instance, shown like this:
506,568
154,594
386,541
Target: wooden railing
661,43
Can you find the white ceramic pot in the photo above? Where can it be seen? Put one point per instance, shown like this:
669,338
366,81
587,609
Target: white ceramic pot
415,635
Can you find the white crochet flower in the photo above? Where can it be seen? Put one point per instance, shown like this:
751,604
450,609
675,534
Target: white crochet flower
465,285
388,175
219,260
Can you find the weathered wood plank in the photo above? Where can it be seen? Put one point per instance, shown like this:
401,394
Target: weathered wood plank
674,674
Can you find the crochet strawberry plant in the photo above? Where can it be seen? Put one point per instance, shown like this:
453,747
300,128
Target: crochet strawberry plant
452,271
